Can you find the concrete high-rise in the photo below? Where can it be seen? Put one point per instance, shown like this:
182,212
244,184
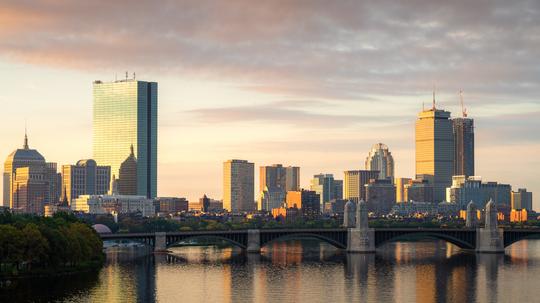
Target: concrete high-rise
435,149
125,114
463,146
238,185
327,187
354,183
85,178
380,158
278,176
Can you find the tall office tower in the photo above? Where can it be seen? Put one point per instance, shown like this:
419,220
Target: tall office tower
435,149
522,199
292,178
22,157
55,182
338,189
238,185
380,158
400,187
278,176
463,146
125,114
354,183
85,178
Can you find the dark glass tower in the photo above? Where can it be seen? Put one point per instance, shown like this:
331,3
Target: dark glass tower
125,114
463,146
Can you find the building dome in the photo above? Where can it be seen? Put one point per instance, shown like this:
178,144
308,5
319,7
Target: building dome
102,229
25,154
380,159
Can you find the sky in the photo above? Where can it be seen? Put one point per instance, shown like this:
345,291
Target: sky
307,83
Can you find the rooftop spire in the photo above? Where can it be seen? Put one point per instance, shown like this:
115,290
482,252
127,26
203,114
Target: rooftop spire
131,149
433,96
25,146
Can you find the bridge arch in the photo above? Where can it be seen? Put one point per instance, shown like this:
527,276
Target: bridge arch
511,238
404,236
268,239
172,241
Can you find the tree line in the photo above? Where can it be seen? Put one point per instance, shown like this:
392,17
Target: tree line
47,244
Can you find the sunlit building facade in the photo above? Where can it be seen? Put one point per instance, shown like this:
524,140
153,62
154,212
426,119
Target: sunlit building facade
400,188
84,178
354,183
238,185
522,199
435,150
465,189
380,158
125,114
327,187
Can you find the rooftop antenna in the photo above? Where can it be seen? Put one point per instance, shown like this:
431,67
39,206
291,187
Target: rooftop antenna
133,75
115,77
463,109
126,75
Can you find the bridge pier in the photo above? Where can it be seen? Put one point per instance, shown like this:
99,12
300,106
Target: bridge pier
253,241
160,242
361,239
490,239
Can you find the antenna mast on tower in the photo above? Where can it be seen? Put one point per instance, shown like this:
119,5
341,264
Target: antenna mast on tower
463,109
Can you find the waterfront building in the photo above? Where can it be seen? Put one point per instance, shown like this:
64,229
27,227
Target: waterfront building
414,208
327,188
521,199
114,204
465,189
238,186
518,215
125,114
307,201
354,184
418,190
380,195
85,178
171,205
271,198
400,188
380,159
435,149
127,175
463,129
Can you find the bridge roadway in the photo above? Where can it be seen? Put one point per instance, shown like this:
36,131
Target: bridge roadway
253,240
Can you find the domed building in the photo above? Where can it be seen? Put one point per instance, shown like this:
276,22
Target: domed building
127,178
102,229
22,167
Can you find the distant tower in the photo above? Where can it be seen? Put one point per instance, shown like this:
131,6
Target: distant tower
463,129
435,149
127,179
238,185
126,112
380,158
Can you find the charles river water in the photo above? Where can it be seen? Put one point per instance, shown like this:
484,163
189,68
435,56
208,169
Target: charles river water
299,271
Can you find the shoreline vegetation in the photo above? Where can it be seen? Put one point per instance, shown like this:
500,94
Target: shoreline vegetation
33,246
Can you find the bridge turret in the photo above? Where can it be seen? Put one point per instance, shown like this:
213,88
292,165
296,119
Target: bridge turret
491,215
362,215
471,216
349,215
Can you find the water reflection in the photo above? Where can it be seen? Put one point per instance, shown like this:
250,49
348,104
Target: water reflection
299,271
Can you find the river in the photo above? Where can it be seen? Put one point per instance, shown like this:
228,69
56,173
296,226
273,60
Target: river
300,271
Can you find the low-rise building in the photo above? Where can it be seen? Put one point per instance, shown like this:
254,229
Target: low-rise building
465,189
171,205
307,201
418,190
119,204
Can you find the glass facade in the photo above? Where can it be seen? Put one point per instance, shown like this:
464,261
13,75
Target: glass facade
125,114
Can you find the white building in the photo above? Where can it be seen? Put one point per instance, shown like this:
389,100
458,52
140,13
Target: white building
121,204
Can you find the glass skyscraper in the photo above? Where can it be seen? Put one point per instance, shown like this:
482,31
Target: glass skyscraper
125,115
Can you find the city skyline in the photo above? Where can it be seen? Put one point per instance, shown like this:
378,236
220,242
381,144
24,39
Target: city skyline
206,119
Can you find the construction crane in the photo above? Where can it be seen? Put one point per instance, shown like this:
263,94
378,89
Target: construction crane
463,109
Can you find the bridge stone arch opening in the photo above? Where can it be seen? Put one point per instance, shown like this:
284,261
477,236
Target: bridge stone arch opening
512,237
213,240
268,240
462,240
